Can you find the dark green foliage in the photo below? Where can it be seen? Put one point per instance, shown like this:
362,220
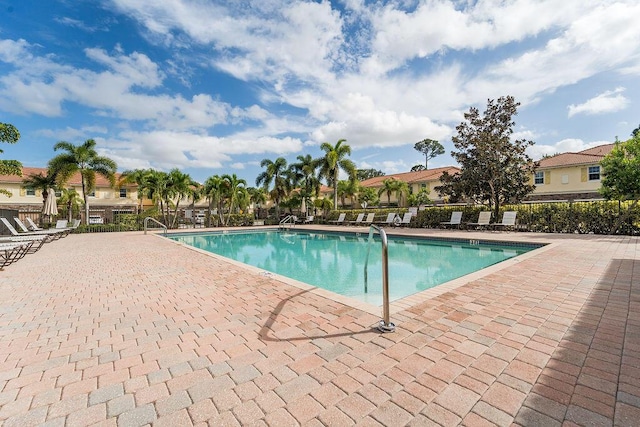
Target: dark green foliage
362,174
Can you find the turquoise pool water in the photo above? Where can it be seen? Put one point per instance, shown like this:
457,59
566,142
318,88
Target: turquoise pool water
335,261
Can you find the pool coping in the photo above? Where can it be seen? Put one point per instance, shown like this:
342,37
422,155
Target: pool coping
395,306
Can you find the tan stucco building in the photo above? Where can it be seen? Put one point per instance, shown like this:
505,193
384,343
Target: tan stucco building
570,176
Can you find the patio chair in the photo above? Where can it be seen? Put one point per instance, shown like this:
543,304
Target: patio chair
390,219
308,220
340,219
508,220
484,218
32,226
55,233
358,220
369,219
456,218
36,241
12,252
406,219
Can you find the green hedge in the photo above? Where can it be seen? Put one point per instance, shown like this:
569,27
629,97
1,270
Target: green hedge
597,217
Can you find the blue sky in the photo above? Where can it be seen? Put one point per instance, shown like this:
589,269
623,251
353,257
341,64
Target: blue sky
214,87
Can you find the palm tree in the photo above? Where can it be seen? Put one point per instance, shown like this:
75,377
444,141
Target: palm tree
274,173
71,200
257,196
41,182
348,188
85,160
180,186
402,190
235,191
138,177
389,186
323,204
154,186
213,189
334,160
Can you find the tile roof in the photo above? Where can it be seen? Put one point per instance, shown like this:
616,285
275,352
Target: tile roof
586,157
411,177
75,179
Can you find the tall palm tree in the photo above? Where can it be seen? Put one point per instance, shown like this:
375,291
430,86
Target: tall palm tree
180,186
257,196
234,191
274,173
213,191
334,160
348,188
85,160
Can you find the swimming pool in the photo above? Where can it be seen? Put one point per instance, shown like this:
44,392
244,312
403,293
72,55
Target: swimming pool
335,261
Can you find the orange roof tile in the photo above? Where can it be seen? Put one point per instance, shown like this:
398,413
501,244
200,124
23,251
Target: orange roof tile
411,177
585,157
75,179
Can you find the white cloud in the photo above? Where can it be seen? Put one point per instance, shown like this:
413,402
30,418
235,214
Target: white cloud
73,134
607,102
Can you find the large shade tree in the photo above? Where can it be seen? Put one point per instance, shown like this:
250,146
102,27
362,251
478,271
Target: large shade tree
334,160
83,159
494,169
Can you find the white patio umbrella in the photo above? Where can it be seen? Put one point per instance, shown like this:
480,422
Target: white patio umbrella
50,205
303,207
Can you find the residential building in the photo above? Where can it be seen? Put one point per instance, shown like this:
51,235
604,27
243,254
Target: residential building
417,181
570,176
104,201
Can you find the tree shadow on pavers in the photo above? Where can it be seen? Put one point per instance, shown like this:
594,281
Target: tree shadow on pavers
268,325
593,376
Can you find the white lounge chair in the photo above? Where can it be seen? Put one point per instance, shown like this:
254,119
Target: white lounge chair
456,219
369,219
406,219
508,220
390,219
12,252
55,233
340,219
484,218
32,225
358,220
308,220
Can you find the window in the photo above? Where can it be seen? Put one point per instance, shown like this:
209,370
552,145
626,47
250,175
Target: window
92,193
594,173
539,178
30,192
565,179
123,193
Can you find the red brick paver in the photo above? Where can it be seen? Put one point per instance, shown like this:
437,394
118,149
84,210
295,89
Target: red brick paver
131,329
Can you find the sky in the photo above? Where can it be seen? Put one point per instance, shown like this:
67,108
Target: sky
213,87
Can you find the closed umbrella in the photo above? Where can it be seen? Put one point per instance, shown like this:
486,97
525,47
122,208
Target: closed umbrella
303,207
50,205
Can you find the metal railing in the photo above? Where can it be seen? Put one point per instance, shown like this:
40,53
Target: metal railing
289,219
146,221
385,325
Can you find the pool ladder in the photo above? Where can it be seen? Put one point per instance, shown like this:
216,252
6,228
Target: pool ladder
385,325
146,222
289,219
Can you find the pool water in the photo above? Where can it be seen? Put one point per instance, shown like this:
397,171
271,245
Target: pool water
335,261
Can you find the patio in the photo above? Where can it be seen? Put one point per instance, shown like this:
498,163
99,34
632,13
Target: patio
130,329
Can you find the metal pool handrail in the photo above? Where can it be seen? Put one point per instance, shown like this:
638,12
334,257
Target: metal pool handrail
146,221
289,219
385,325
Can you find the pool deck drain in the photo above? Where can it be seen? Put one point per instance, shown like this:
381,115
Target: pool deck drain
128,329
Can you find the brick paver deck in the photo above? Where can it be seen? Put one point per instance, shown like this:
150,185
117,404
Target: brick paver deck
130,329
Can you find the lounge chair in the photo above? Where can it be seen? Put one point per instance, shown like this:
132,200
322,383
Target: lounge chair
340,219
484,218
406,219
32,225
456,218
56,233
12,252
358,220
36,241
508,220
308,220
390,219
369,219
